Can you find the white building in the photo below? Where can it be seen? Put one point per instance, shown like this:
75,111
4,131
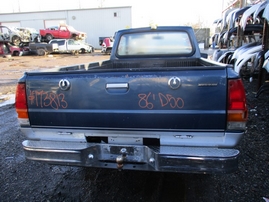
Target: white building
96,22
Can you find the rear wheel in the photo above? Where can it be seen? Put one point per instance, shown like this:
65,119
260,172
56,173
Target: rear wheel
41,52
16,40
49,37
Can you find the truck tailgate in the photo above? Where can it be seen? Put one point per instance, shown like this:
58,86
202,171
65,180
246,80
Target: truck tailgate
138,100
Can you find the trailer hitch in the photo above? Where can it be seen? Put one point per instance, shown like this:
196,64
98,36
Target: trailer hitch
121,158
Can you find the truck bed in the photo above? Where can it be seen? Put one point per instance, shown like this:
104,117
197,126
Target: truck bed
141,65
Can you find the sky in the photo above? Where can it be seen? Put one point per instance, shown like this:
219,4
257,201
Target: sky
144,12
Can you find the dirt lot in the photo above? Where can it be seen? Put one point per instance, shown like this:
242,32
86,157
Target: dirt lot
23,180
11,69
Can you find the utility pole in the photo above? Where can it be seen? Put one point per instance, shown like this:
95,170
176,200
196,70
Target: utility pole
19,6
240,32
242,3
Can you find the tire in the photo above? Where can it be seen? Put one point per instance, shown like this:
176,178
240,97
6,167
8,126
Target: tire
75,37
262,82
49,37
16,40
16,53
264,76
82,51
41,52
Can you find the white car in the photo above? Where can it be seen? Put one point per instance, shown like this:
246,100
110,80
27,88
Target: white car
71,46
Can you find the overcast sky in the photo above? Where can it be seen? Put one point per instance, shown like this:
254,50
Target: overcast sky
166,12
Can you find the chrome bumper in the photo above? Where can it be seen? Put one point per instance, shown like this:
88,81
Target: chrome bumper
134,157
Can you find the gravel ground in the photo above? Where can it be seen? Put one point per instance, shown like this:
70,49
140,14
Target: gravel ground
251,182
23,180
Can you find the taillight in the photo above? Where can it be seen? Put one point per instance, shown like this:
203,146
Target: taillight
237,109
21,104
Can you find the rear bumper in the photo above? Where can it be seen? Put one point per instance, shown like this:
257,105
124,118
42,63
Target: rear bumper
134,157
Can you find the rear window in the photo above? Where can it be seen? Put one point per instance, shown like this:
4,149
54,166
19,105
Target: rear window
154,43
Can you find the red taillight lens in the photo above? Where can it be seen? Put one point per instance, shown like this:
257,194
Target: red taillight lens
21,101
237,108
237,96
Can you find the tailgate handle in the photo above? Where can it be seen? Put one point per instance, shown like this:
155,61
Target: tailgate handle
117,86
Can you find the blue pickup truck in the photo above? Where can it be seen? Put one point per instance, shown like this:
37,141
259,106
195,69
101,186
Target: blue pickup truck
155,105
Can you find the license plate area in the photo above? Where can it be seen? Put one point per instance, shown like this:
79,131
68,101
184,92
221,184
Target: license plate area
130,153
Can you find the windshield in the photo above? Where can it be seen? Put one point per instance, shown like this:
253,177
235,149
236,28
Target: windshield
14,29
154,43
